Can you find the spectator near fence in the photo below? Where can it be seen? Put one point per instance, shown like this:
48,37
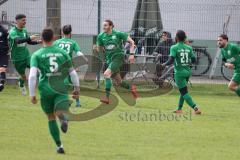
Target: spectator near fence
162,51
163,48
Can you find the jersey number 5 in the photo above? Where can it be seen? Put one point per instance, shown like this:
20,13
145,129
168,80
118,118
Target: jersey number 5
53,64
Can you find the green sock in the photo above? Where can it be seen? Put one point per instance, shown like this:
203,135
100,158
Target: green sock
189,100
21,82
238,91
53,128
108,86
125,85
180,102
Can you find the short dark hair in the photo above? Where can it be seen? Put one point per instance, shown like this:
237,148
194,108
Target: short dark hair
165,32
224,36
110,22
20,16
47,34
67,29
181,35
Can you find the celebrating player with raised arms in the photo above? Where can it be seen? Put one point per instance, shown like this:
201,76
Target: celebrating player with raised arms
182,56
231,59
70,46
111,42
54,65
20,55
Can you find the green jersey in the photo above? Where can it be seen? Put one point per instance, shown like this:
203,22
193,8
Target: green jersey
183,54
231,53
54,64
68,44
19,52
112,43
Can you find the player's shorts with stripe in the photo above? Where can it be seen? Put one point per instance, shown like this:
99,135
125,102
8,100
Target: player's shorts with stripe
22,65
116,64
182,78
181,82
54,102
4,60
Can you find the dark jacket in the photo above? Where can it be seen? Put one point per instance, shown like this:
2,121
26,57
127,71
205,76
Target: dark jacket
4,48
163,48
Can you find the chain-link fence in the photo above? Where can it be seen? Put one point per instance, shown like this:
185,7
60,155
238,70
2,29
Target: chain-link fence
145,21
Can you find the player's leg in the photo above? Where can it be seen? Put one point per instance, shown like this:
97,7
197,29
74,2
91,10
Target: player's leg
234,84
20,67
180,104
68,82
3,69
108,84
47,104
119,82
2,77
181,83
61,108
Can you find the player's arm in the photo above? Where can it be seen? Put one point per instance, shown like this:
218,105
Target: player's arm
78,52
30,40
99,47
170,61
193,57
171,58
132,48
225,63
32,81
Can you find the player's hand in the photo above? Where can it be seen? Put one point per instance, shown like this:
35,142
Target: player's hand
162,67
229,66
34,37
75,94
95,47
131,58
34,100
39,41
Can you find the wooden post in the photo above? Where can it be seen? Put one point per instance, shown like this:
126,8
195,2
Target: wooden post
54,16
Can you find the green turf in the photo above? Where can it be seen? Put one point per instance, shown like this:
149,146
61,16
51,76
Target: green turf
213,135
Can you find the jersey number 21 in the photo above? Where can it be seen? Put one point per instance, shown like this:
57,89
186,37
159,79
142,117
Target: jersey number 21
184,57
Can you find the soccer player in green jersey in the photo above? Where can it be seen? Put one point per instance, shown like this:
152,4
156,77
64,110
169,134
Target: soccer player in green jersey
54,65
182,56
70,46
111,42
20,55
231,59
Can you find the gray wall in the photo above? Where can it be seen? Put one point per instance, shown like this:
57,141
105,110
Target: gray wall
202,19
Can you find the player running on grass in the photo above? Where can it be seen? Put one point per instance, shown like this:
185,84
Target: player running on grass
231,59
111,42
20,55
182,56
54,65
70,46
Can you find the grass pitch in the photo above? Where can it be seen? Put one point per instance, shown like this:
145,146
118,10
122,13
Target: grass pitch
127,132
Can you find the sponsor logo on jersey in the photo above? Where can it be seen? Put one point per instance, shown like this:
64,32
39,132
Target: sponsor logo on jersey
110,47
229,52
22,45
114,37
